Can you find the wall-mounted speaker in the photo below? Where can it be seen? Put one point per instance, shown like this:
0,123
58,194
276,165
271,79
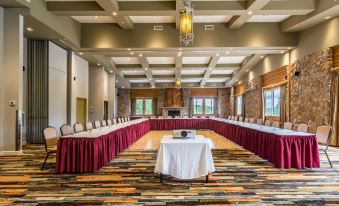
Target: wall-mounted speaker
296,73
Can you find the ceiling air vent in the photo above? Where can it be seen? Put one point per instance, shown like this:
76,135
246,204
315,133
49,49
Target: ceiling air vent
158,28
209,27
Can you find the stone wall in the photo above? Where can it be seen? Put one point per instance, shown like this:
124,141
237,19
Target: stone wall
253,98
232,101
124,102
224,95
310,91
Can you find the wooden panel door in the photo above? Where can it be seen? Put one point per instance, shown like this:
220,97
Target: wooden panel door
81,110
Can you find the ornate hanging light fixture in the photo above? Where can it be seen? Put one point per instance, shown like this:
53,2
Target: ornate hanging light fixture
178,84
186,23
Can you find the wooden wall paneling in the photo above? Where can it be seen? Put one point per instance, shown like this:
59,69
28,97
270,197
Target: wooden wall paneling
142,93
174,98
275,77
336,57
204,92
240,89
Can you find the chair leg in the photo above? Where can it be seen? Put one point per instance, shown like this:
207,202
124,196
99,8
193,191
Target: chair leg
45,161
328,158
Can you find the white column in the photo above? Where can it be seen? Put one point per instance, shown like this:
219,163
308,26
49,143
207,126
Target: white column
111,96
11,74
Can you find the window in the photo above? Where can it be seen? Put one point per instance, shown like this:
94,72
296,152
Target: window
144,106
239,105
203,106
272,102
209,106
197,106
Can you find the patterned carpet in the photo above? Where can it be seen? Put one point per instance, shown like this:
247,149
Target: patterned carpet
241,178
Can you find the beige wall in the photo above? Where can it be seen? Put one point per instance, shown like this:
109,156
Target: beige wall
317,38
1,77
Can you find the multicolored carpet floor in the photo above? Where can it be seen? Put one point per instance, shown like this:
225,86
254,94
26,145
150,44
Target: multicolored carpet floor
241,178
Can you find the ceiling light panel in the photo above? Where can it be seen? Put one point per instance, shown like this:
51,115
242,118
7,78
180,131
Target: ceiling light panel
190,80
231,60
163,72
126,60
195,60
161,60
91,19
217,80
153,19
218,71
211,19
268,18
138,81
192,72
164,80
133,72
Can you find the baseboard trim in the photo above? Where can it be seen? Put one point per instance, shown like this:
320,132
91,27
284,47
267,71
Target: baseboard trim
11,153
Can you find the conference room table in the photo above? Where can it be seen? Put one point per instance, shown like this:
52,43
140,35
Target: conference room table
87,152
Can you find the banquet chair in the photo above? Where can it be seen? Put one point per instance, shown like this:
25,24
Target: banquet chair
97,124
66,129
259,121
126,120
288,125
177,117
51,141
275,124
229,117
268,122
114,121
323,134
252,120
303,127
109,122
119,120
103,123
78,127
89,125
241,119
161,117
153,117
195,117
185,116
247,120
236,118
129,118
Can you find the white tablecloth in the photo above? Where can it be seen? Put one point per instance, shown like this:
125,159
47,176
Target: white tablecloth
184,159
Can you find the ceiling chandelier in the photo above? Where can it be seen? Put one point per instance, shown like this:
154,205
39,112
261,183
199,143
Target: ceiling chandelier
178,84
186,23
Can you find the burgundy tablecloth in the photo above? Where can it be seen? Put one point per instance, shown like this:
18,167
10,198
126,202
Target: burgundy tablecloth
81,155
283,151
171,124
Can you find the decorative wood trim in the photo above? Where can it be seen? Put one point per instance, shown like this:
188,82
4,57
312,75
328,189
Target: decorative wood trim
275,77
145,93
275,85
205,92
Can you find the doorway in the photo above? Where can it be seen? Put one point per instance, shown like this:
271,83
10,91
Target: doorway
105,110
81,110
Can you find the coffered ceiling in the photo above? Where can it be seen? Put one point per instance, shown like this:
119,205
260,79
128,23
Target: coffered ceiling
138,39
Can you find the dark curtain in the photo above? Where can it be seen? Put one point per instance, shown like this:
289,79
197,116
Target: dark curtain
37,91
283,103
133,112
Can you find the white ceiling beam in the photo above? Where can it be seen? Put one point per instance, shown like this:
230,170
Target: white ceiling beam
145,66
252,7
178,66
326,8
111,6
213,62
178,6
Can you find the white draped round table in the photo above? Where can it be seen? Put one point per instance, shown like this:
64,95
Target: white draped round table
184,158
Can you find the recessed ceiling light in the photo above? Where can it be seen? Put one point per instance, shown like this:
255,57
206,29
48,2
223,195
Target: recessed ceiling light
132,53
111,71
281,52
122,22
247,70
145,69
98,64
29,29
180,49
122,87
250,12
211,68
179,54
114,13
96,17
262,57
129,49
327,17
150,79
227,52
81,53
140,55
116,81
217,54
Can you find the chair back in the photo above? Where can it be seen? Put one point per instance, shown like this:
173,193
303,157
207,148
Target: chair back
303,127
275,124
323,134
241,119
247,120
259,121
129,118
229,117
252,120
119,120
115,121
177,117
125,119
268,122
78,127
288,125
97,124
109,122
195,117
89,125
50,136
66,129
103,123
